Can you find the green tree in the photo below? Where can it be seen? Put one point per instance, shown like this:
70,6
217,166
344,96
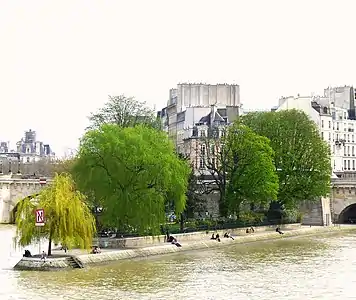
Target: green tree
134,172
68,220
239,164
250,169
124,112
302,158
195,202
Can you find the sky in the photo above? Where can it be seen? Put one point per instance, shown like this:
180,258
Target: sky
59,60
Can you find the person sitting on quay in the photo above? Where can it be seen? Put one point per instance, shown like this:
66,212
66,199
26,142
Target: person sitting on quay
95,250
213,237
27,253
228,235
279,230
175,242
217,237
170,238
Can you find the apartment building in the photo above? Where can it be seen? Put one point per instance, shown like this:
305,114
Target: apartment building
334,114
189,103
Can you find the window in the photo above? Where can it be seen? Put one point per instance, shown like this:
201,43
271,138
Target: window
322,123
348,138
353,150
348,165
345,116
213,162
348,150
27,159
344,164
352,138
337,126
202,133
322,135
353,164
202,163
329,136
202,150
333,149
329,124
212,149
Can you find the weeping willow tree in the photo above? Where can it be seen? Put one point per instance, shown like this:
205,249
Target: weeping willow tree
68,220
134,172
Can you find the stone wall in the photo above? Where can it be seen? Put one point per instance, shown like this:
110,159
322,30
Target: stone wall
36,264
317,213
112,243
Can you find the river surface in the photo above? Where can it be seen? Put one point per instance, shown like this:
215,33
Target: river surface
304,268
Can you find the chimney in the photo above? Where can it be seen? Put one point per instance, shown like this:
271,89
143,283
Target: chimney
212,113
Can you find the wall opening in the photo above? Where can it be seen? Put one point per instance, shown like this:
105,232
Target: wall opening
348,215
14,210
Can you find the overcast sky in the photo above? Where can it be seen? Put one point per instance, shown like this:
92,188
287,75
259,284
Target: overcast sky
60,59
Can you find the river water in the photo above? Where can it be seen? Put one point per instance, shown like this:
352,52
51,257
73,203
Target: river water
292,268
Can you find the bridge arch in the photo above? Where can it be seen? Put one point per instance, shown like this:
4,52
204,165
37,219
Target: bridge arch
14,210
348,215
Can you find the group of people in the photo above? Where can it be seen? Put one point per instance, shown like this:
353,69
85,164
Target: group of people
250,230
217,236
95,250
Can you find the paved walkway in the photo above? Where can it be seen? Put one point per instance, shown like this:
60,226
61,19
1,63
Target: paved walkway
207,237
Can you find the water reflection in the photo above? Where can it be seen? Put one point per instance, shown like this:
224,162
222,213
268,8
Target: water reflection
303,268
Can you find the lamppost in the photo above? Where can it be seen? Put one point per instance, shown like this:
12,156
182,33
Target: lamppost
9,165
18,164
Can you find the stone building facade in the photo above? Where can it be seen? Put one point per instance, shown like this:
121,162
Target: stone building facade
31,156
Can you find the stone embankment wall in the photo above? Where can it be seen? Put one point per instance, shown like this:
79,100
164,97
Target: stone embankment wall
36,264
203,243
114,243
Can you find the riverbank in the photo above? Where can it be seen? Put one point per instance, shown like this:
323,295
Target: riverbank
83,260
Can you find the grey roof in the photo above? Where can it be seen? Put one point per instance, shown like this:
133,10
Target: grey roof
217,118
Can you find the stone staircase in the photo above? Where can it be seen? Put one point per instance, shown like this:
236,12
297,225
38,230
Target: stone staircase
74,262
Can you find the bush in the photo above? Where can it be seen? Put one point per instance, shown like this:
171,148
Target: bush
291,216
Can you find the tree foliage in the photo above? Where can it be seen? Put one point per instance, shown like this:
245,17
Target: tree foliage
68,219
195,202
302,158
251,173
124,112
62,166
240,164
134,172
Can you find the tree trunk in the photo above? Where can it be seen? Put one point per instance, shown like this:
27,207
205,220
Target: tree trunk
223,209
181,222
49,252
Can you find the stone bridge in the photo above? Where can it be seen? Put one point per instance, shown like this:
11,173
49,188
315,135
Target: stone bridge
12,190
339,207
343,198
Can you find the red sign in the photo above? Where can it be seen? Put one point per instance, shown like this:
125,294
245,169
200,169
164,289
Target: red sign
43,181
40,219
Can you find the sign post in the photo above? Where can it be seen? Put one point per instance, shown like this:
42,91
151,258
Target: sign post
40,221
